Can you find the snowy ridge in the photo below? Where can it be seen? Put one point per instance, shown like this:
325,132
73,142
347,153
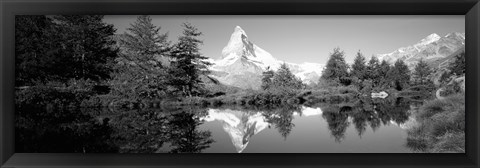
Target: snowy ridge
432,47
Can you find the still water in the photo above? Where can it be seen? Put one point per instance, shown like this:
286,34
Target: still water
360,127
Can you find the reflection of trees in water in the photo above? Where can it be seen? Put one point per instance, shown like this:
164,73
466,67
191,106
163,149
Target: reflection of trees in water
365,112
184,136
55,130
99,131
337,120
282,118
140,131
394,110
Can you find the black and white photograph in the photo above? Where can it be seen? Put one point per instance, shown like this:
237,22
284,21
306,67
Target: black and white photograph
240,84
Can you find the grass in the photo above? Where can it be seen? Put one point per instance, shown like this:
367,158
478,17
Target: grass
441,126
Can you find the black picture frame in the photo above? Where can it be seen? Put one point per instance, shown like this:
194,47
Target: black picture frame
469,8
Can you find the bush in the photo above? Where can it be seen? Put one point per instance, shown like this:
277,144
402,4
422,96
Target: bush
431,108
326,84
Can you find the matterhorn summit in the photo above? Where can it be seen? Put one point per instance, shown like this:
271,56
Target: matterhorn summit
242,64
239,48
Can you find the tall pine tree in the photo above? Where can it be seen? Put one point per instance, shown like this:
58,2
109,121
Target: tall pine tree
399,75
140,68
383,70
372,70
284,78
35,49
359,69
336,66
87,42
188,64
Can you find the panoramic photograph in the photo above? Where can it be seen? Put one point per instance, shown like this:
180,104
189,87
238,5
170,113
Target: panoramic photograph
239,84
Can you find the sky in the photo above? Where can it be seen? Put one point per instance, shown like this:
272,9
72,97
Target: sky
299,39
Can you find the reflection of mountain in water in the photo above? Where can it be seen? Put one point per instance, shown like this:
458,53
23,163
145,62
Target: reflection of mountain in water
240,126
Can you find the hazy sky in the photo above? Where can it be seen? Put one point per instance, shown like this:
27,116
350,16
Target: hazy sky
301,39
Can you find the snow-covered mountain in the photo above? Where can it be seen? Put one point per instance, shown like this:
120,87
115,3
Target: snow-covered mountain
242,64
431,49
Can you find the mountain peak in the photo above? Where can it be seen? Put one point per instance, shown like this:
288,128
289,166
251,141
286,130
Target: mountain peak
239,47
235,44
238,29
430,38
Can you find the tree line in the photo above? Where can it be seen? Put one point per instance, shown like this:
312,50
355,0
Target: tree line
380,74
83,51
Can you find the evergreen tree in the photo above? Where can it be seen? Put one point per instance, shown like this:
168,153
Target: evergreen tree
372,70
458,66
267,79
359,69
35,49
188,64
399,75
383,70
336,66
185,137
87,45
140,70
61,48
284,78
421,73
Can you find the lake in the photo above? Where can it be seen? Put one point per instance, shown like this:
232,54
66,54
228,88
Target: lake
362,126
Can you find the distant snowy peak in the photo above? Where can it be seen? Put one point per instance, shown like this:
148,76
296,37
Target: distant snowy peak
429,39
431,48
